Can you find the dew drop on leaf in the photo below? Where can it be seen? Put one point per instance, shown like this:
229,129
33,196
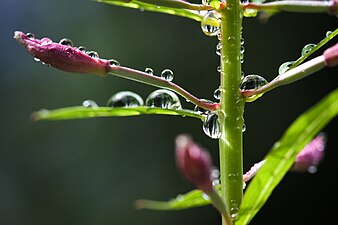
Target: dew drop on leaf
328,33
66,41
210,24
125,99
211,126
285,67
82,48
307,48
89,104
167,74
162,98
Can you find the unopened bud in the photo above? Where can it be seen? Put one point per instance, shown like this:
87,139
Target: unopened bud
63,57
194,162
309,158
331,56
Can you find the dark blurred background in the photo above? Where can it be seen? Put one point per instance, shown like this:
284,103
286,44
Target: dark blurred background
89,172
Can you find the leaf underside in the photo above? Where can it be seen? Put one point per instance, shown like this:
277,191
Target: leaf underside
283,154
80,112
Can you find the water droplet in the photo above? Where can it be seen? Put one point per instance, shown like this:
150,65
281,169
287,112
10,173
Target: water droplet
219,69
205,196
167,74
307,48
36,59
285,67
210,24
232,177
179,198
242,41
46,41
149,71
216,182
82,48
113,62
234,212
231,40
163,99
214,174
211,126
125,99
93,54
30,35
244,128
66,41
242,49
244,185
312,169
217,94
201,110
250,12
328,33
252,82
142,9
89,104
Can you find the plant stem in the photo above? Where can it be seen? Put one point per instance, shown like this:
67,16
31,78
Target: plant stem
231,108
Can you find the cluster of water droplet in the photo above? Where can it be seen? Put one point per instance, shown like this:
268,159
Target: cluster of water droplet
210,23
166,74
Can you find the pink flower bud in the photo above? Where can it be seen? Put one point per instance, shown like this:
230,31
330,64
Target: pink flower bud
309,158
331,56
63,57
194,162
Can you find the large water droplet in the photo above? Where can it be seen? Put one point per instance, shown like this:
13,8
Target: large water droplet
66,41
93,54
201,110
46,41
36,59
307,48
244,128
219,69
89,104
285,67
163,99
211,126
179,198
113,62
328,33
125,99
149,71
167,74
252,82
210,24
30,35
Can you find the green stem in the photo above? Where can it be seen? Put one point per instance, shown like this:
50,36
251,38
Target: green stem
231,108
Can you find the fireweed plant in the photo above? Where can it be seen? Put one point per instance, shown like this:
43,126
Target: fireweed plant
301,148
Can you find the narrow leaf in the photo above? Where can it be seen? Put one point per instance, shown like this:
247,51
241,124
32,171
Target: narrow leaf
79,112
329,36
283,154
192,14
192,199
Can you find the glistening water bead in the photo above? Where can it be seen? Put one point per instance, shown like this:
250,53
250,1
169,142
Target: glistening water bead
149,71
66,41
89,104
162,98
167,74
30,35
93,54
252,81
211,126
285,67
113,62
307,48
210,23
125,99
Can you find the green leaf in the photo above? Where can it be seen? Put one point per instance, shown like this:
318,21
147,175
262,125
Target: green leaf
135,4
80,112
330,36
191,199
283,154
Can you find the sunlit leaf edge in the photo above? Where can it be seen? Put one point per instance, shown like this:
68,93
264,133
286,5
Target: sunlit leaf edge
192,14
80,112
194,198
283,154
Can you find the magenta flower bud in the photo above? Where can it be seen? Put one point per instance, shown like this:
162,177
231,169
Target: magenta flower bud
63,57
194,162
331,56
309,158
